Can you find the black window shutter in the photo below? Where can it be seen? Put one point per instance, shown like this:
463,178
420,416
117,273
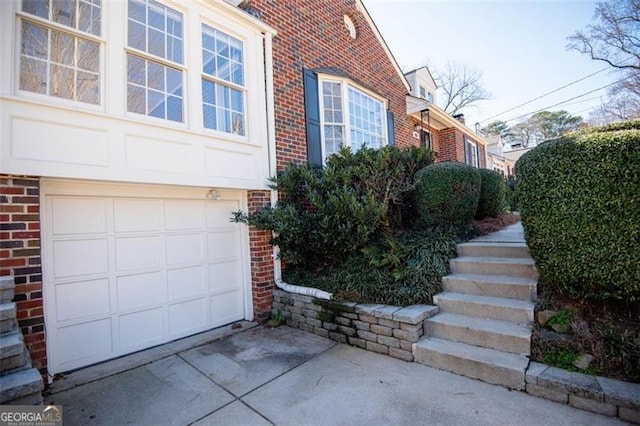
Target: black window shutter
312,118
479,165
391,132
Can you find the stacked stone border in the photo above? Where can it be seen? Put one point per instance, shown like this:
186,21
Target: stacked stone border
392,330
385,329
599,395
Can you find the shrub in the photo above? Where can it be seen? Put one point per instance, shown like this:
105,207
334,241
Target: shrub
447,193
325,214
401,269
492,194
580,206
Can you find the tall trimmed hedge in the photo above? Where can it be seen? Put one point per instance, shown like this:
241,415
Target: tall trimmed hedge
447,193
580,206
492,194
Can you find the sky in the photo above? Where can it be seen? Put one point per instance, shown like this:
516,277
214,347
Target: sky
519,46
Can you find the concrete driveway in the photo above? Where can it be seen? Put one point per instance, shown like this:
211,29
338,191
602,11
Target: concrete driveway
285,376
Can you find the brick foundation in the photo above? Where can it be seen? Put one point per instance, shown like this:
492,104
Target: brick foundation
20,257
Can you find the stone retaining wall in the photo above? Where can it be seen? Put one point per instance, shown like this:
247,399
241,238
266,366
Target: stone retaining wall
600,395
385,329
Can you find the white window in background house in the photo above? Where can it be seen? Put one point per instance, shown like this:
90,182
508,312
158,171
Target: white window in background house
361,123
223,90
471,152
61,60
423,92
154,60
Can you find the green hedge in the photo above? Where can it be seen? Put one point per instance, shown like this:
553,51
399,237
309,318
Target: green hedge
492,194
447,193
580,206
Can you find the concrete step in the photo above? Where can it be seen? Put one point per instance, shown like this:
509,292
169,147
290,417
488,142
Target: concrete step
19,385
513,267
485,307
7,287
488,333
493,249
12,352
488,365
491,285
8,321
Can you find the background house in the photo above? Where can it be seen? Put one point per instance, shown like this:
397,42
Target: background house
496,159
129,132
447,136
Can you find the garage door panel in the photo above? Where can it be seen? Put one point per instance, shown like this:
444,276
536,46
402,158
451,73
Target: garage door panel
141,329
186,282
137,215
78,216
96,343
80,257
184,248
224,276
223,246
71,299
226,307
138,252
138,290
186,317
127,269
219,213
184,214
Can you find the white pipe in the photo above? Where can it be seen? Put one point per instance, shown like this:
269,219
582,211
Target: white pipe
277,266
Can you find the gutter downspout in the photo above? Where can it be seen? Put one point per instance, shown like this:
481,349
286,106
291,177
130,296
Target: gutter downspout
271,135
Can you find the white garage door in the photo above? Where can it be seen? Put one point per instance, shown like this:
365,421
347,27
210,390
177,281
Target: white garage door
129,266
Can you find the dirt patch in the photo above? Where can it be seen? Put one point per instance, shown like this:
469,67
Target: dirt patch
493,224
609,331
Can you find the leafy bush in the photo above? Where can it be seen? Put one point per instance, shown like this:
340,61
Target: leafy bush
324,215
447,193
580,206
492,194
401,269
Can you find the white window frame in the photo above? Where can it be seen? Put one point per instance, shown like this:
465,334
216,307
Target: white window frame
469,159
20,17
141,54
218,81
345,84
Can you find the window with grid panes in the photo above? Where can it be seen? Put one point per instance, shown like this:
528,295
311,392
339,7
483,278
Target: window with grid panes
154,60
350,117
222,82
60,48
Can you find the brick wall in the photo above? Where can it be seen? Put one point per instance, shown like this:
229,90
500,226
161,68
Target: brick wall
313,35
451,145
20,257
262,280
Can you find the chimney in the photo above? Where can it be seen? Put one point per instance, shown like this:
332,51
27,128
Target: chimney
459,117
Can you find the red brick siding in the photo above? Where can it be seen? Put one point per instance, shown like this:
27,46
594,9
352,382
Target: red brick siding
312,34
262,280
451,145
20,257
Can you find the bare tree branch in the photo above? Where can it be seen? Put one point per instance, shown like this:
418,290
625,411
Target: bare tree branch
462,86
